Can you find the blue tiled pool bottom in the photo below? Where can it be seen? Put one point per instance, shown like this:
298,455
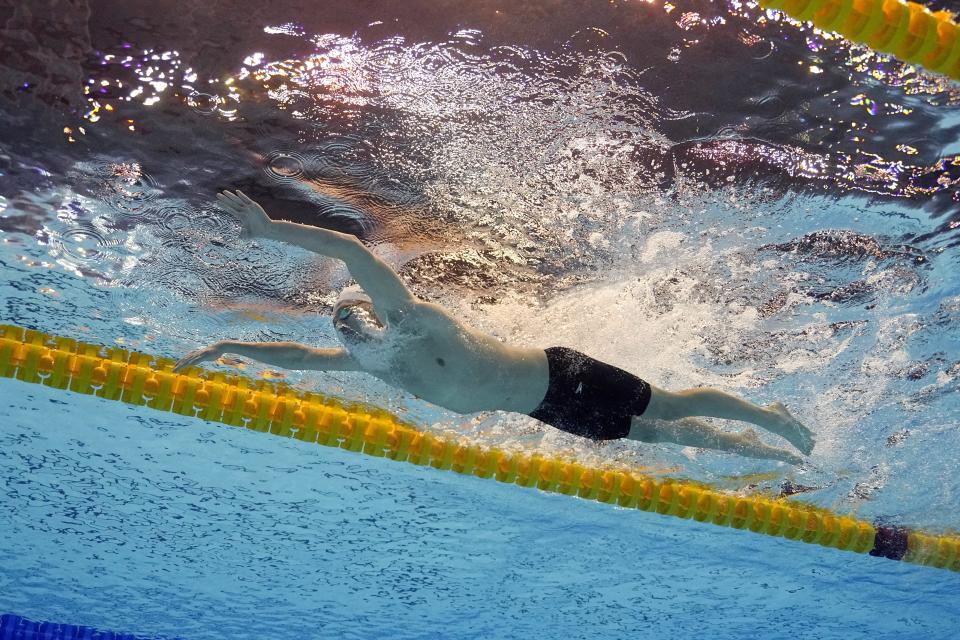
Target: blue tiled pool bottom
17,628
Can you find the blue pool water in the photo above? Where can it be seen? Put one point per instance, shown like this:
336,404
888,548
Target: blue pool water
701,193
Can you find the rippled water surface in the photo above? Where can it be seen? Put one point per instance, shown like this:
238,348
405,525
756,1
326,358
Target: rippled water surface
701,193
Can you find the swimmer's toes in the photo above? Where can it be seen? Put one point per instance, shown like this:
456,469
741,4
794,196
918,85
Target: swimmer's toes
805,439
785,456
808,444
802,439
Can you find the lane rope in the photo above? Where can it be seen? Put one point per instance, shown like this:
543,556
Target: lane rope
907,30
141,379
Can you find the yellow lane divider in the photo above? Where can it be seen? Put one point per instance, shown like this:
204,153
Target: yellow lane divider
907,30
140,379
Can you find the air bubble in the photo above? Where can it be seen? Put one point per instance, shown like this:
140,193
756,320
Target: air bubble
128,189
179,226
174,219
82,245
285,166
203,103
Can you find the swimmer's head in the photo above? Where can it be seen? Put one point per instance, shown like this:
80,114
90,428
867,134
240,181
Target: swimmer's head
355,320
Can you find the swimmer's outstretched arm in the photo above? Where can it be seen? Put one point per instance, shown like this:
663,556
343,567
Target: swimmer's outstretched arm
287,355
380,282
691,432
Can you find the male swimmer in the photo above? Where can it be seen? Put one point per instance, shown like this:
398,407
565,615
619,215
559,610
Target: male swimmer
420,348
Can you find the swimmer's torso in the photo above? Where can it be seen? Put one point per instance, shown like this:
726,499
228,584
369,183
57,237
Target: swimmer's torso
423,350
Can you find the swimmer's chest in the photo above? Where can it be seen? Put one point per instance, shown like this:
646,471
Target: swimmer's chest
462,375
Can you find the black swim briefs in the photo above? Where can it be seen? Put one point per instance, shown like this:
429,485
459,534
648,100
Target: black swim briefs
590,398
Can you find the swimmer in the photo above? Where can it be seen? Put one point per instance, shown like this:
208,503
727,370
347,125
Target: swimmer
420,348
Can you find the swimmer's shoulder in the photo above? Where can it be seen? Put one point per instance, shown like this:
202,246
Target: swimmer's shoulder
431,319
423,309
419,312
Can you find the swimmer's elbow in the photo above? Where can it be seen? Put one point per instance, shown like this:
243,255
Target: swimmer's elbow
350,249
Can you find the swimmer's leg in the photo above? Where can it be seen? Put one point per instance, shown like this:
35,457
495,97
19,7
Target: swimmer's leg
697,433
667,405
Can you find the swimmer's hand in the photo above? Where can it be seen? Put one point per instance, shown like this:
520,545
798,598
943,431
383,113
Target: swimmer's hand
197,356
253,219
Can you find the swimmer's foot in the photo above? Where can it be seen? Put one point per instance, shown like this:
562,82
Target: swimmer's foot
753,447
790,428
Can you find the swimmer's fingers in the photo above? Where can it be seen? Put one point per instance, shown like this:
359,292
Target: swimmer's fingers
246,199
196,357
229,200
246,202
187,361
253,218
232,208
228,204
